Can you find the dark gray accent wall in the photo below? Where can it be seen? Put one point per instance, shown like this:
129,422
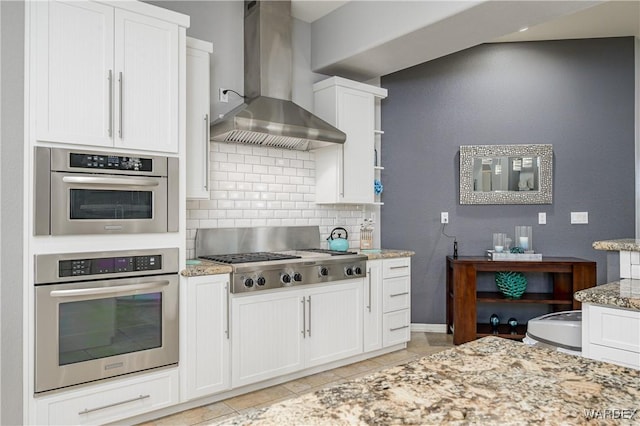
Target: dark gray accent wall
11,216
577,95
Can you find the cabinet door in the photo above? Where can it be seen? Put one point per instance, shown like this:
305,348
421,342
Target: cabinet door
266,336
197,124
334,322
206,363
372,322
146,75
73,63
356,116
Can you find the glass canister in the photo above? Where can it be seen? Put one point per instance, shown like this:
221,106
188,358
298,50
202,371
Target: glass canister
524,238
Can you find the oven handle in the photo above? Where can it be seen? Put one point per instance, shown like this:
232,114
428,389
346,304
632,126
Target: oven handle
95,180
109,290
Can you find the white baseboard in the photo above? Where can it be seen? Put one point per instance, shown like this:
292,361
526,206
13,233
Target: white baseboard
429,328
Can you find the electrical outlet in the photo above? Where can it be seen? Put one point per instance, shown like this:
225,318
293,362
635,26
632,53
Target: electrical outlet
542,218
223,97
579,218
444,217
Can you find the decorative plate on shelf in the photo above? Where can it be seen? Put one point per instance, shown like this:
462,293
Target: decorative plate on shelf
377,187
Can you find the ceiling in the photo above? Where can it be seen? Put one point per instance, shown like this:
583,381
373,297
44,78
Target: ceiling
609,19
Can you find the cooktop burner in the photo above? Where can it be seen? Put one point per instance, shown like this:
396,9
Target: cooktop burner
261,256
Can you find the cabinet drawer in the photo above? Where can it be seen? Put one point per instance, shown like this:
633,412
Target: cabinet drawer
109,402
615,356
396,267
615,328
396,328
396,294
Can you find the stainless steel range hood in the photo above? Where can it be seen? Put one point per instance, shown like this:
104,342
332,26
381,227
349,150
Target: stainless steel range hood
269,118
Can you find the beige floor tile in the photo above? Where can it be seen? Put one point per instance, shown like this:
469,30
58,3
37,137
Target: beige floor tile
395,358
259,397
219,420
315,380
196,415
266,404
357,368
439,339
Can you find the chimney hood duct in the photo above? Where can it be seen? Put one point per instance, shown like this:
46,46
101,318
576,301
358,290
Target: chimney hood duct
269,118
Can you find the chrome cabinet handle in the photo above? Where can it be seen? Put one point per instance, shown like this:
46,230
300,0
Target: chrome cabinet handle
110,129
206,152
91,410
226,289
398,294
309,329
95,180
304,318
115,290
399,267
369,307
398,328
120,84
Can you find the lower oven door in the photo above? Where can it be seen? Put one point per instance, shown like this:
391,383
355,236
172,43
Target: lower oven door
88,331
105,204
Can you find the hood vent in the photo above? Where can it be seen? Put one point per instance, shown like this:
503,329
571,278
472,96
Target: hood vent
269,118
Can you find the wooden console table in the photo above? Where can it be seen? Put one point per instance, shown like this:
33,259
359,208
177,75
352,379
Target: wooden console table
569,275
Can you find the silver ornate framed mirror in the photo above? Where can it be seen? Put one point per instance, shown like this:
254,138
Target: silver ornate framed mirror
506,174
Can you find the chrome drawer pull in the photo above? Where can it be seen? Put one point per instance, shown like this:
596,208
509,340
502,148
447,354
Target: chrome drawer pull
399,267
399,294
91,410
398,328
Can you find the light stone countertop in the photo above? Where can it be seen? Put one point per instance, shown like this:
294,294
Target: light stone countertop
375,254
491,381
626,244
206,267
618,294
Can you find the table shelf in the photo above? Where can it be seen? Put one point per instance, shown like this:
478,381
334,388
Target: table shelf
568,275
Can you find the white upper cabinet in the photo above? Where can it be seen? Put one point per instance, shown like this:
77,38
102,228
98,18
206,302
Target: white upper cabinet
73,66
345,173
106,76
198,145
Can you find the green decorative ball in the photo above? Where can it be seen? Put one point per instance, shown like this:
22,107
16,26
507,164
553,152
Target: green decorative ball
511,284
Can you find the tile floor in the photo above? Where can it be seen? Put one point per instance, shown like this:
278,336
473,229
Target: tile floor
421,344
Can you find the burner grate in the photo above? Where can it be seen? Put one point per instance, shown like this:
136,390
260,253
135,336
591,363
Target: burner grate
248,257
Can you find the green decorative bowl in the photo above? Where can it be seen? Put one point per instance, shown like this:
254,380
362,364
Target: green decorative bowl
511,284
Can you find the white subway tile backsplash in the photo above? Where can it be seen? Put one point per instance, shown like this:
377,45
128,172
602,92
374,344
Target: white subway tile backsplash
259,186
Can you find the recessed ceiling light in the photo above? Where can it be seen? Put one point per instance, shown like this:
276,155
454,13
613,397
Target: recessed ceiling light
523,29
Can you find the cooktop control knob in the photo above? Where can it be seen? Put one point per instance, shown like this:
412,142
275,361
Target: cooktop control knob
248,283
348,271
285,278
297,276
357,270
324,271
261,281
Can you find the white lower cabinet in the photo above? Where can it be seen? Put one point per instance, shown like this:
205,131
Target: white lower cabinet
205,360
611,335
288,330
372,321
109,402
396,301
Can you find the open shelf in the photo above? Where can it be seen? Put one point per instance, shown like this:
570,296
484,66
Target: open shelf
483,330
378,167
543,298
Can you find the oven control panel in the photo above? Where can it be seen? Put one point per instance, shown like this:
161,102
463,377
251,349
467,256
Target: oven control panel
110,162
108,265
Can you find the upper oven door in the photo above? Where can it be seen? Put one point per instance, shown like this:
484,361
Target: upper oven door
105,203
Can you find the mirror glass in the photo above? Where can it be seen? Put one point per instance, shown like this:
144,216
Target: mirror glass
506,174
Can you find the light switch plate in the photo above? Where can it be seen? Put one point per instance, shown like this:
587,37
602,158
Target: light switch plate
542,218
579,218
